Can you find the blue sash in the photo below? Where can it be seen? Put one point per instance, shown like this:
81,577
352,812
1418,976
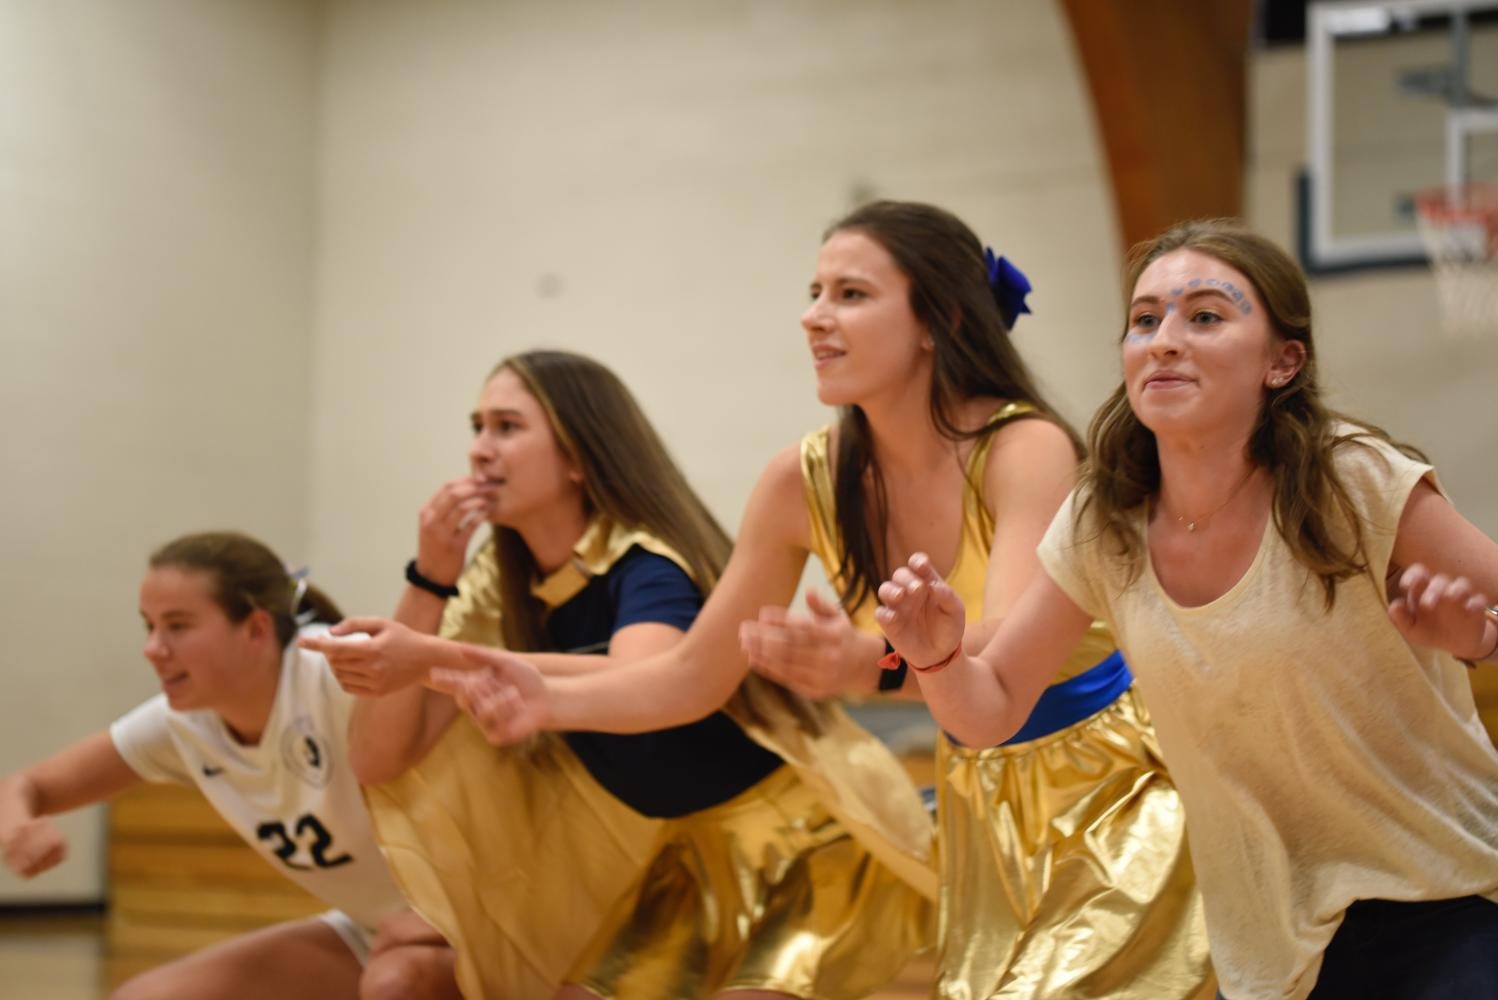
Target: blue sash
1071,701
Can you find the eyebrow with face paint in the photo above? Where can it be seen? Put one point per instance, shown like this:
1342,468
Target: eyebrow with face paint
1212,288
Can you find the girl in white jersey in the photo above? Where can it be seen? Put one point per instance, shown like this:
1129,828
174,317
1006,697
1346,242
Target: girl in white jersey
1295,595
260,727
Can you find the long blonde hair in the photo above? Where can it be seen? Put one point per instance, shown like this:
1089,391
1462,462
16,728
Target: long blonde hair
628,477
1295,437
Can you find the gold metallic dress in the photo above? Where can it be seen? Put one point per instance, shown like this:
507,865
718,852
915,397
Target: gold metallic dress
1063,859
817,881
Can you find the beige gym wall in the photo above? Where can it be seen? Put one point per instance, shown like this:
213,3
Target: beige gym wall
647,183
156,280
258,255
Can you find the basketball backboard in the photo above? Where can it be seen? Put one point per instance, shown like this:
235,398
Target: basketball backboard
1402,97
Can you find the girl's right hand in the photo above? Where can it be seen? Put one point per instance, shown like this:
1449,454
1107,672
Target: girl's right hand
373,656
34,846
816,655
447,523
504,694
922,617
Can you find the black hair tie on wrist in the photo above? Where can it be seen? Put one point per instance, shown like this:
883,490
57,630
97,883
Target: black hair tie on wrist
446,591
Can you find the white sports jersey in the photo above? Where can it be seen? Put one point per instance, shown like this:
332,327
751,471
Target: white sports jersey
293,797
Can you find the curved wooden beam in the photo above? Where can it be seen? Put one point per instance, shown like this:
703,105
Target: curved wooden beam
1169,83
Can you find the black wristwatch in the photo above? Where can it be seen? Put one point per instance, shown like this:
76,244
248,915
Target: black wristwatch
446,591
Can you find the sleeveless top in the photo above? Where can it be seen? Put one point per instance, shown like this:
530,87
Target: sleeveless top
969,573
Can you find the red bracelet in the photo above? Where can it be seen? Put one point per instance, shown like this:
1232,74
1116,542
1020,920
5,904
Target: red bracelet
892,662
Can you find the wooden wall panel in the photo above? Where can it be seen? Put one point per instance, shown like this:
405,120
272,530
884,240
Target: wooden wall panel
1168,81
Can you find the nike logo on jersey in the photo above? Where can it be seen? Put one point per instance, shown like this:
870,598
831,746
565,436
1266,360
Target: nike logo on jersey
212,772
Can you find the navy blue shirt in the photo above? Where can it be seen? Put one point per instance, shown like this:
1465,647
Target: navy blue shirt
670,772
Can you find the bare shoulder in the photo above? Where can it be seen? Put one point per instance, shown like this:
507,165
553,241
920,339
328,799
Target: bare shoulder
777,508
1024,447
782,475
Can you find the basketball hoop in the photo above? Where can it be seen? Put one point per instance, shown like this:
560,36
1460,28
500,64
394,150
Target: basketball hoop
1459,224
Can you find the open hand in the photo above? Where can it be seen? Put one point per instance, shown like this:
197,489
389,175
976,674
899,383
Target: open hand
923,618
816,655
504,694
1443,612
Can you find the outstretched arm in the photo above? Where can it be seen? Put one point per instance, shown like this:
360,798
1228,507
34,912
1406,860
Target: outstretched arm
983,699
696,676
1031,467
88,771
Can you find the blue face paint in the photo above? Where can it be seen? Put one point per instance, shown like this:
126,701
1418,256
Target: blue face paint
1170,307
1193,283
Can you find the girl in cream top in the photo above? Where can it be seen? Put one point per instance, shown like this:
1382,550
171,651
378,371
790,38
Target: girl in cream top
1294,593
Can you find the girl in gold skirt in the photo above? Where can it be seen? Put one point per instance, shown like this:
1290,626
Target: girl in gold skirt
747,878
1063,857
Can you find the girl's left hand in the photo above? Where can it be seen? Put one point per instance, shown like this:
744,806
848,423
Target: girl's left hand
1443,612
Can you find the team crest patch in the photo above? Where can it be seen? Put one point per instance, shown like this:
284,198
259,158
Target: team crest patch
306,753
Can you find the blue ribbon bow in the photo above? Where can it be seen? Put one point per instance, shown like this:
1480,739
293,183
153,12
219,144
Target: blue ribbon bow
1009,285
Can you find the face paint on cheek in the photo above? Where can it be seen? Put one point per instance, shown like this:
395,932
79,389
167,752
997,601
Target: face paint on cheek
1138,337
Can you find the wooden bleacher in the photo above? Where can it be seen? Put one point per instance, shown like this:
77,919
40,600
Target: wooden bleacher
180,879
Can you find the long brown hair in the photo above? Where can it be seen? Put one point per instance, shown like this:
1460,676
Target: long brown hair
973,356
1295,438
247,576
628,477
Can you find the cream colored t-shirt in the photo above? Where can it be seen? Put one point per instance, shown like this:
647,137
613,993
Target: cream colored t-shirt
1322,758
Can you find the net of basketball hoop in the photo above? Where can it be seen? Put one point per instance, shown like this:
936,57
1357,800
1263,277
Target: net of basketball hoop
1459,224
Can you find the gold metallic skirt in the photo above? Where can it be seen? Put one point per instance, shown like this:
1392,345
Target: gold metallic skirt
1064,868
764,892
515,855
